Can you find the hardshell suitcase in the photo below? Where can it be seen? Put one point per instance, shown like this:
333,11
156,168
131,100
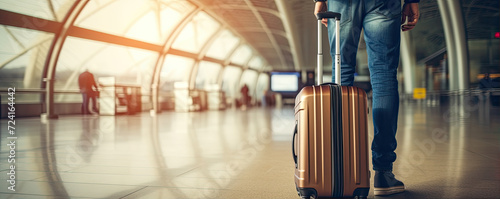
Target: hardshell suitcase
330,141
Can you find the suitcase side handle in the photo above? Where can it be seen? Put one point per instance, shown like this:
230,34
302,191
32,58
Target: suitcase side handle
293,146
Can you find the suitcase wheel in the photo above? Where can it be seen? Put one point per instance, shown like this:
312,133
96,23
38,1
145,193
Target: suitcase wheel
307,193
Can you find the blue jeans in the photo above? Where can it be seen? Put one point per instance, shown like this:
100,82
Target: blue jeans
380,20
86,99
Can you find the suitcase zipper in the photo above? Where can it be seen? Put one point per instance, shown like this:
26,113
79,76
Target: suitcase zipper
337,140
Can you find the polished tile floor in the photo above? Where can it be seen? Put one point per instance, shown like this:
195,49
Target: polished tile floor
444,151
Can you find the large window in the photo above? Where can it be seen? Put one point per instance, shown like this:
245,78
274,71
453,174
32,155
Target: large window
262,86
241,55
196,33
22,58
128,65
482,23
207,75
111,27
141,21
249,77
428,39
256,63
175,69
53,10
223,45
230,81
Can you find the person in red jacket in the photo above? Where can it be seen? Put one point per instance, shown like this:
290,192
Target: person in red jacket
86,82
244,96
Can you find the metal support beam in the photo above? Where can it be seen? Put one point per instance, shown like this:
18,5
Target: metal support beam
209,11
24,21
456,43
53,56
243,7
270,35
155,85
460,40
291,32
409,62
201,55
24,51
450,45
111,39
227,61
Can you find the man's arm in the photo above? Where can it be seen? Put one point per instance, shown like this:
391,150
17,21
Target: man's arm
320,6
411,13
93,82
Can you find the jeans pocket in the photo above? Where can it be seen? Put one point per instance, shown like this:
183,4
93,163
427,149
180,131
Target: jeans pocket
388,8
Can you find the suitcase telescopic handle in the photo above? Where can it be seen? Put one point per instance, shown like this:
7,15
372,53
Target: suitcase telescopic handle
336,16
293,146
328,15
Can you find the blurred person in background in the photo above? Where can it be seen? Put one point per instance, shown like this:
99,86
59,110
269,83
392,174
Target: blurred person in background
86,82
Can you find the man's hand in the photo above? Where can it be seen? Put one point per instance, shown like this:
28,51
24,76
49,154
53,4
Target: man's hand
321,7
410,12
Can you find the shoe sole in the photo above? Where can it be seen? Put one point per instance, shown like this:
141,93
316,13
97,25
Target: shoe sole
388,191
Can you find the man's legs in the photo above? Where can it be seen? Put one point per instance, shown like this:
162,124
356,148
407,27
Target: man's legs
380,20
350,29
382,35
85,103
94,103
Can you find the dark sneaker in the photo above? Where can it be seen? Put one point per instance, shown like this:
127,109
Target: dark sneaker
386,184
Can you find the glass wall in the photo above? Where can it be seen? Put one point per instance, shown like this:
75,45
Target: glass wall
207,76
249,78
196,33
147,26
230,81
127,18
482,23
53,10
129,66
428,41
262,86
22,58
256,63
223,45
241,55
175,69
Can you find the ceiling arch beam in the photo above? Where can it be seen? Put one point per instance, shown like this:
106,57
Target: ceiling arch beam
218,18
201,55
243,7
155,84
53,56
260,30
291,33
260,19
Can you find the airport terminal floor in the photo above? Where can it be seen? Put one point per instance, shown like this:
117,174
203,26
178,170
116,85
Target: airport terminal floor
444,151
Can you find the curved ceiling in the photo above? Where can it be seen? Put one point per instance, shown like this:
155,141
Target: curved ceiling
283,32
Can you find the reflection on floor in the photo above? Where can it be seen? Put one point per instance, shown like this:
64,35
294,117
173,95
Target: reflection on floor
444,152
